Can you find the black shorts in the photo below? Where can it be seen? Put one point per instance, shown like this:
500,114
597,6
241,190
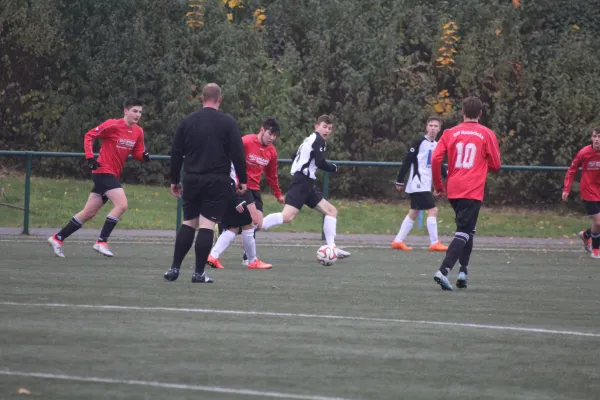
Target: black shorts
207,195
257,199
592,207
103,183
467,212
302,191
421,201
234,219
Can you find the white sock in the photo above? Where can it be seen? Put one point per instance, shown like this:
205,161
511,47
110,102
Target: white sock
249,244
329,225
405,228
432,229
272,220
223,242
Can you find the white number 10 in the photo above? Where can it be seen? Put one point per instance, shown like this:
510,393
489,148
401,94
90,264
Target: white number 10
465,155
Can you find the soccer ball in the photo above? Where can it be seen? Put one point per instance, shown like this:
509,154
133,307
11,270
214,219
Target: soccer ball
326,255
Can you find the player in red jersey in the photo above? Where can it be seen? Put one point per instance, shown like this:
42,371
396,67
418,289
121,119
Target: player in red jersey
261,156
472,151
120,138
588,159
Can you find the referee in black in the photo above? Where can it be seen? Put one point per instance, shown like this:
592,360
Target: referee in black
206,143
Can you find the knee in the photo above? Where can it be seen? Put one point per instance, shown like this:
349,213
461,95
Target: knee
121,207
288,218
333,212
433,212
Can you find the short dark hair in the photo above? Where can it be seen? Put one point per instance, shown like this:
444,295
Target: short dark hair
596,130
472,107
325,118
211,91
132,102
270,124
435,118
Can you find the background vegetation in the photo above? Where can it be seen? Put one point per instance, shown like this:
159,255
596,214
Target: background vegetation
380,67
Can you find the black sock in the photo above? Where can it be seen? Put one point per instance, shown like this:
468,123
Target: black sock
595,240
204,240
183,244
454,251
108,227
69,229
465,257
587,233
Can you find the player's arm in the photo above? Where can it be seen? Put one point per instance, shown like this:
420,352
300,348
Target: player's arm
318,148
570,175
272,179
139,150
237,154
493,153
410,158
177,153
436,165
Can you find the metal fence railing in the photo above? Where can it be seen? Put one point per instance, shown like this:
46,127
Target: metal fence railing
29,155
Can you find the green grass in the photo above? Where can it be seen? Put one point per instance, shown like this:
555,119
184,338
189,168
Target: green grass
53,202
372,358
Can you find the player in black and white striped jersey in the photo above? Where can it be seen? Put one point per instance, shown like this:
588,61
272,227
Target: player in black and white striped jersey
302,190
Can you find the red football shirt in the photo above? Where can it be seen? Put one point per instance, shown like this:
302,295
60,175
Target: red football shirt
472,151
589,161
119,140
261,158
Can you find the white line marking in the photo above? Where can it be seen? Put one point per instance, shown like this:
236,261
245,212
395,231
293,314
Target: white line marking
314,316
357,246
201,388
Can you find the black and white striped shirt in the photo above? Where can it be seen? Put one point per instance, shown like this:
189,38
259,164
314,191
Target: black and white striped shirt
310,156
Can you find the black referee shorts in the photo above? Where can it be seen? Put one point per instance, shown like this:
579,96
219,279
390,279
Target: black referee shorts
467,212
207,195
103,183
302,191
235,219
257,199
421,201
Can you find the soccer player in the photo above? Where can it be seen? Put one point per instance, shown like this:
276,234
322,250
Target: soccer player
261,156
206,142
120,138
302,191
418,161
237,219
588,159
472,151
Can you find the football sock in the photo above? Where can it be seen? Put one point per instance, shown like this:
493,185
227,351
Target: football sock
454,251
329,225
183,244
272,220
432,229
223,242
204,240
249,244
587,233
108,227
69,229
465,257
595,240
405,228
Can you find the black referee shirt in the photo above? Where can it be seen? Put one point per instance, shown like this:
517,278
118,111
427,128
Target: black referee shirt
207,142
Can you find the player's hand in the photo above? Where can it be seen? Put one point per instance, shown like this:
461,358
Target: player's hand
281,200
176,189
565,196
92,163
241,189
240,207
146,156
399,187
439,193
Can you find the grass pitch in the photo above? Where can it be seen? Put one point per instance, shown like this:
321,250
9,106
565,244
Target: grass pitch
374,326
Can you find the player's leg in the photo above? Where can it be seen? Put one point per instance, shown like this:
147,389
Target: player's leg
432,229
586,237
294,200
249,242
467,211
119,201
287,215
255,210
92,206
329,222
405,228
463,261
225,239
595,230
